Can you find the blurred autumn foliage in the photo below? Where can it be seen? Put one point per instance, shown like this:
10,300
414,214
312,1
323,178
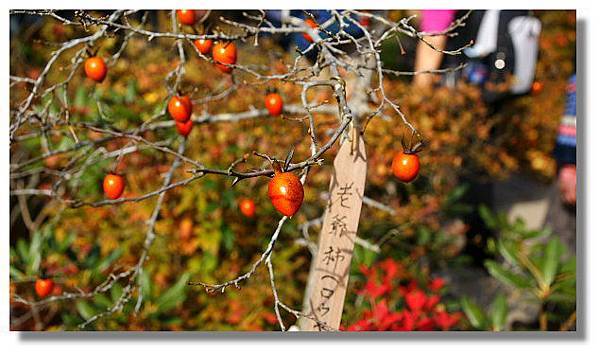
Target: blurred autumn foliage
201,234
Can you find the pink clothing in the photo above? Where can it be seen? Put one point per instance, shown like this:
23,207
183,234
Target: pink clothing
436,20
567,131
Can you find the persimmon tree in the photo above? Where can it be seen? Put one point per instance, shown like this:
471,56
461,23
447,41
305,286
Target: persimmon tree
338,78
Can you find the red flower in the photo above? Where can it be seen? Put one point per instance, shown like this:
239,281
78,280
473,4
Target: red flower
390,320
409,320
390,267
365,270
423,309
373,289
406,289
416,299
446,321
412,285
425,324
361,325
432,301
437,284
381,310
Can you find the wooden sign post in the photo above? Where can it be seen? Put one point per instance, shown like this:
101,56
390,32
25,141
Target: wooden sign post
336,241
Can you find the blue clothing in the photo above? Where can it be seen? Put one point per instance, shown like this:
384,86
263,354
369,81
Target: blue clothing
566,141
321,16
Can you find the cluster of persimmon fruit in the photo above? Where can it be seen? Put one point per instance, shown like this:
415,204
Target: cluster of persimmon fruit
223,53
285,190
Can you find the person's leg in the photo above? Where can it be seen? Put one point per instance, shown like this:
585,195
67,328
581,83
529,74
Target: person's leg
479,193
561,219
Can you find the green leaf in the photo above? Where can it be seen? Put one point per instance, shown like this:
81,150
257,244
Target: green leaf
506,276
537,233
85,310
499,312
370,256
106,262
456,194
228,237
23,250
65,143
569,266
550,261
171,321
209,262
194,264
70,320
508,250
80,97
131,93
102,300
518,226
35,253
423,235
563,297
474,314
16,274
209,184
458,209
228,198
145,284
566,280
488,217
89,183
116,291
92,258
66,243
174,295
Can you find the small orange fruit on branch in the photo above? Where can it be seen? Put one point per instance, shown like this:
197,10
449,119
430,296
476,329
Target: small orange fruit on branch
274,103
180,108
286,192
43,287
247,207
186,17
113,186
203,45
184,128
224,54
95,69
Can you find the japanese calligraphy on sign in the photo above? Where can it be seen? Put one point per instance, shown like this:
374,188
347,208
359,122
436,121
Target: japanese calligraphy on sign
336,241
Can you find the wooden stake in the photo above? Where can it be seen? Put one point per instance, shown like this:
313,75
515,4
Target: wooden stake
336,241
